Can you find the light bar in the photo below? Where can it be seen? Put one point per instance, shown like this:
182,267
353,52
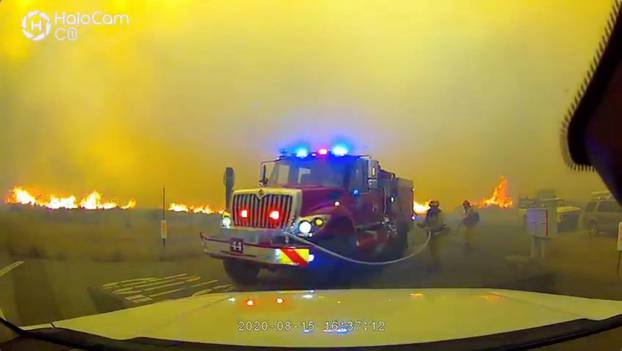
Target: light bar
339,150
302,152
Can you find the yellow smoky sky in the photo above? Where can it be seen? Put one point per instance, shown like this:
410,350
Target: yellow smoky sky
452,94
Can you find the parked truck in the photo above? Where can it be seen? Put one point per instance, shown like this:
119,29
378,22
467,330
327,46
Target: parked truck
602,214
567,214
346,204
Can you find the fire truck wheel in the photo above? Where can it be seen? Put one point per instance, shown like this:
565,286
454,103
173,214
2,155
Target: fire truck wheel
241,272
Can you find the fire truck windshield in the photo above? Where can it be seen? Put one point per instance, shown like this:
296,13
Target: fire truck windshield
312,171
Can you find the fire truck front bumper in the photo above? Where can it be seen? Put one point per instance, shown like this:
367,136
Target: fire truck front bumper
263,246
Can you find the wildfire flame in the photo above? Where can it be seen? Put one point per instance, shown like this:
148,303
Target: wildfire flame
500,197
92,201
129,204
421,208
177,207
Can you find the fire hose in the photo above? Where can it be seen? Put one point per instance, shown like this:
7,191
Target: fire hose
368,263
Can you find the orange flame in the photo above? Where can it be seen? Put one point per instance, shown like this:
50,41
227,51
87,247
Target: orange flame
177,207
129,204
21,196
500,197
92,201
60,202
421,208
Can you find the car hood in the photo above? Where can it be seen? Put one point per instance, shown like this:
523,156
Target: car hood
408,316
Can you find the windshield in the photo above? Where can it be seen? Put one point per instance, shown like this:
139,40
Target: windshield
323,172
131,133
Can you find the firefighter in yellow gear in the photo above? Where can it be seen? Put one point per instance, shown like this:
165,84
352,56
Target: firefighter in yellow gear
435,226
470,219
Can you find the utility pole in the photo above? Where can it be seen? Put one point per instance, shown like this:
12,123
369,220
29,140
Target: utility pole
163,228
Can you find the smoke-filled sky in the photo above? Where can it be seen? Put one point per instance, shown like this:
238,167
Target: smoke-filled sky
452,94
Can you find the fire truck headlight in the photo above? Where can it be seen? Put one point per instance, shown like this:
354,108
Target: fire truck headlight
225,221
305,227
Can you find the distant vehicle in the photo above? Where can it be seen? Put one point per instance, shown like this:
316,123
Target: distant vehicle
602,214
344,203
568,215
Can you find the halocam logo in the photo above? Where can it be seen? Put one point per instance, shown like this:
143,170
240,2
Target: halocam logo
36,25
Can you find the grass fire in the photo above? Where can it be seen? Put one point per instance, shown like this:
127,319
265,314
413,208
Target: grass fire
500,197
179,207
92,201
421,208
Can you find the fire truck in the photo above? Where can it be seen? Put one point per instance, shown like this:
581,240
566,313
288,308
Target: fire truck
313,208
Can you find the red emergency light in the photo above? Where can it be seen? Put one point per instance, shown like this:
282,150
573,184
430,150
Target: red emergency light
275,215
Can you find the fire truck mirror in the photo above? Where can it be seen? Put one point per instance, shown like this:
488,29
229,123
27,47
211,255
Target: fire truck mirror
229,177
263,180
372,174
229,180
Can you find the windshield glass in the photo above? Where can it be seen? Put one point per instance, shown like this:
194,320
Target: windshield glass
316,171
131,133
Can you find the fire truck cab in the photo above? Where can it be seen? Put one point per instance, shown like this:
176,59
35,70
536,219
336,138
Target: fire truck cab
344,203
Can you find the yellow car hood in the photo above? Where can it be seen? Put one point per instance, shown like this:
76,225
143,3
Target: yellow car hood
405,316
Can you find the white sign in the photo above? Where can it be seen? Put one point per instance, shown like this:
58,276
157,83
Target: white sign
537,222
619,236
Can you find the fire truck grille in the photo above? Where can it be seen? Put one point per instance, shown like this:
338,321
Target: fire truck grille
258,210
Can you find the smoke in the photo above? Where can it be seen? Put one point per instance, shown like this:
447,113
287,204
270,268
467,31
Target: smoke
452,95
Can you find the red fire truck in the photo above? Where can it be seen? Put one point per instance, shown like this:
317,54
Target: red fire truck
338,204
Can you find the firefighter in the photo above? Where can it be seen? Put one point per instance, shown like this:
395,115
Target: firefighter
433,218
470,218
435,225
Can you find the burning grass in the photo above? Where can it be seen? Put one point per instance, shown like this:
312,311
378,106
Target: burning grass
93,201
179,207
500,196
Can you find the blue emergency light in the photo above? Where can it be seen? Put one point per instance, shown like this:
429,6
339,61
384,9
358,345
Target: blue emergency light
302,152
337,150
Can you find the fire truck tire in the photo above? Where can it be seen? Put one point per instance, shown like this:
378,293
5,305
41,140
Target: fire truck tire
241,272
